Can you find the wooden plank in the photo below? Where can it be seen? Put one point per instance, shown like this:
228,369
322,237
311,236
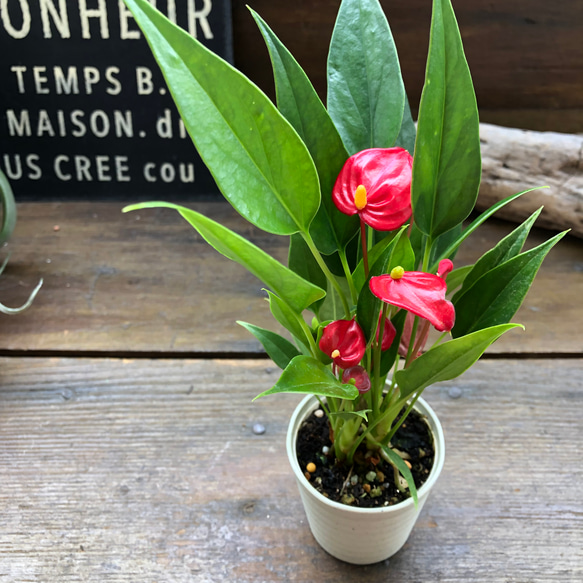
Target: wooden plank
149,471
503,41
146,282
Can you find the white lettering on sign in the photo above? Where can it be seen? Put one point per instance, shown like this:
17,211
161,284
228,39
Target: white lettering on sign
13,167
45,80
85,169
74,123
56,17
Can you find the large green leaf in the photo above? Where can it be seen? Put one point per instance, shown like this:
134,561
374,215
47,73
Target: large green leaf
509,247
298,101
408,132
280,350
496,296
296,291
447,165
366,96
447,361
256,158
305,374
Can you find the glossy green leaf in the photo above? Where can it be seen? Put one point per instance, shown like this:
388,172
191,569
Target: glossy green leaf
279,349
398,462
298,101
296,291
366,96
477,222
305,374
509,247
447,361
447,165
289,319
256,158
496,296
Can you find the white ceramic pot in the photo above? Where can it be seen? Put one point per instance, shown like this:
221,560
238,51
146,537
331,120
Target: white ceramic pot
361,536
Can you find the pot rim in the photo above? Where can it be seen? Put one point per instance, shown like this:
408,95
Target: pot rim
305,407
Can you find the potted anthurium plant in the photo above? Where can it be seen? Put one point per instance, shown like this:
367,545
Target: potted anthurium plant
375,209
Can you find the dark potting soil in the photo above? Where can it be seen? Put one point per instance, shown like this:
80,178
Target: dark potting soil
356,485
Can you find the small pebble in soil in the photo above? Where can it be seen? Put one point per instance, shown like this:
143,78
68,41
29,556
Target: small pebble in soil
311,467
455,392
366,488
371,476
408,464
258,429
319,413
354,480
325,450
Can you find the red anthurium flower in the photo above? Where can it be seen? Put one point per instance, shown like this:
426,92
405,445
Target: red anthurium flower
445,267
357,376
389,333
343,341
376,184
421,293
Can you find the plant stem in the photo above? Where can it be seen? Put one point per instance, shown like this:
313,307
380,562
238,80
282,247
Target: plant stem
398,424
312,246
377,360
348,274
364,244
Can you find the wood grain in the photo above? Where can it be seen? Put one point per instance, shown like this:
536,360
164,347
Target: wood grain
525,55
146,282
139,470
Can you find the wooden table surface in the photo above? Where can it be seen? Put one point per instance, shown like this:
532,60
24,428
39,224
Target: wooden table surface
126,445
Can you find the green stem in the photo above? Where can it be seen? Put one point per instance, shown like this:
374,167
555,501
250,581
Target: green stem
308,335
312,246
346,267
376,397
364,243
411,341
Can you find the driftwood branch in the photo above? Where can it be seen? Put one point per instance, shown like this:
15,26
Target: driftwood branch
514,160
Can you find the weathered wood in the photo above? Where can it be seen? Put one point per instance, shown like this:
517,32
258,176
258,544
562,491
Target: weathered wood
525,55
146,282
149,471
515,160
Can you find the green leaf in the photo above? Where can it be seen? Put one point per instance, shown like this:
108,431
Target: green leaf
366,96
457,277
305,374
496,296
293,289
289,320
350,415
477,222
506,249
447,361
447,165
408,133
256,158
397,461
298,101
280,350
8,209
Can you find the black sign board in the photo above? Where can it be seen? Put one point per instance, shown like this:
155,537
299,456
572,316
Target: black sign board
84,109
